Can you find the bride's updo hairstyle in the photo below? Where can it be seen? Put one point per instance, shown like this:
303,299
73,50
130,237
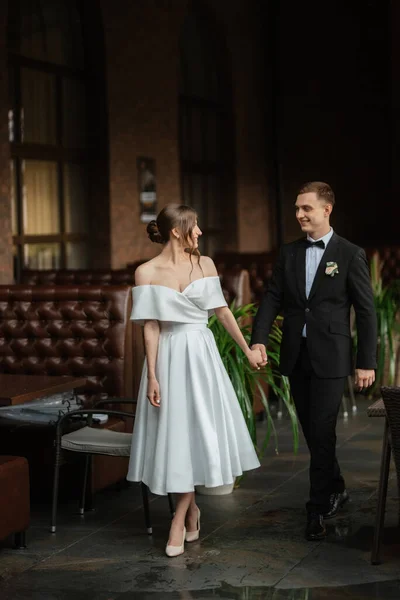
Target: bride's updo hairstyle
173,216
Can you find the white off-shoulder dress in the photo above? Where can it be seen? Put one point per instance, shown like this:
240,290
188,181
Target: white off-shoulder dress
198,435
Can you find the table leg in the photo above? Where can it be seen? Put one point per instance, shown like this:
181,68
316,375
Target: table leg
382,493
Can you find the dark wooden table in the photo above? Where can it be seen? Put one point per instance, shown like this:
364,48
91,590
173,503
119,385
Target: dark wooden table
16,389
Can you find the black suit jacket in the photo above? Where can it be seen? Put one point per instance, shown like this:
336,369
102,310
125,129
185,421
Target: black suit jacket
326,311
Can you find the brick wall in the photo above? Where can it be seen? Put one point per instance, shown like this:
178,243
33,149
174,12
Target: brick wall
142,79
334,119
142,49
142,85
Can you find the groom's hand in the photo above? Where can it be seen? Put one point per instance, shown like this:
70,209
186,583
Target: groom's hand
263,350
364,378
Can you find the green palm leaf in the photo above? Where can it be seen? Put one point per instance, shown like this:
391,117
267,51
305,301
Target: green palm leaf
247,382
387,305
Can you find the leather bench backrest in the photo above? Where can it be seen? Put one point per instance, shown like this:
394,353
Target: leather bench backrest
69,330
78,277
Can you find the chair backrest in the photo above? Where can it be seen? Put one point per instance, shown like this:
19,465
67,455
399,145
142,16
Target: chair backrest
235,284
78,277
259,267
69,330
391,400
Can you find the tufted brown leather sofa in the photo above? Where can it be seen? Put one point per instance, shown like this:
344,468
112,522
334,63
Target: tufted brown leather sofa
14,498
95,277
235,283
259,267
69,330
78,277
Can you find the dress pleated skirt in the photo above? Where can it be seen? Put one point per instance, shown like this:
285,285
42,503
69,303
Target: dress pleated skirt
198,435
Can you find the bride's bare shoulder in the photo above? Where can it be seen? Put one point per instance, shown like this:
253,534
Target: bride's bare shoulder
208,266
145,273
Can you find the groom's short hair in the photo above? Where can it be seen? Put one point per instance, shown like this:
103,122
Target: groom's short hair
321,189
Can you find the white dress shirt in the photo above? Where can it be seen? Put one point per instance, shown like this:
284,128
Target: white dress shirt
314,255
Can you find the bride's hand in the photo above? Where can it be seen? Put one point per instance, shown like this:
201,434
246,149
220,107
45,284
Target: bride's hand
255,358
153,392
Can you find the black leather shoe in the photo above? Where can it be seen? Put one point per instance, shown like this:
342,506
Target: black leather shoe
336,500
315,529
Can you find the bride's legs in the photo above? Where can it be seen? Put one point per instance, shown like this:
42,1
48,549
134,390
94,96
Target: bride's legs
192,515
183,502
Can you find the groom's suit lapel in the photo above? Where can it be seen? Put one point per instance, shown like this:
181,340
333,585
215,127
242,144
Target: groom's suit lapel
330,255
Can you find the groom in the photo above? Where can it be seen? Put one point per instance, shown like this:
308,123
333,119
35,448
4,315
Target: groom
315,282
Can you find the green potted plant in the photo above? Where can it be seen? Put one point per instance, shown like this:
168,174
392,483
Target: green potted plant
387,306
247,381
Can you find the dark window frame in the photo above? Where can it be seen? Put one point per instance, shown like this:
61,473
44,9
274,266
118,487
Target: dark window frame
56,153
222,166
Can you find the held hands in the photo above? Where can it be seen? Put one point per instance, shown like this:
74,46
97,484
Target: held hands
153,392
263,352
364,378
257,356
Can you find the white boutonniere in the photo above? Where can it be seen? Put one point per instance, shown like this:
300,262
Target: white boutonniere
332,269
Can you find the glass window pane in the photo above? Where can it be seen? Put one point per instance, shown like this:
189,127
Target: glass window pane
13,193
40,197
38,107
77,255
75,199
42,256
11,125
48,30
74,114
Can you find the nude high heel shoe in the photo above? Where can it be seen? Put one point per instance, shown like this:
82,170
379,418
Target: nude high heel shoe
192,536
172,551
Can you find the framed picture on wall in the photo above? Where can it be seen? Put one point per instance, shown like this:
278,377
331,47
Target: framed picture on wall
147,188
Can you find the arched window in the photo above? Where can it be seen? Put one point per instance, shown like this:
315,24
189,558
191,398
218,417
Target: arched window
48,133
206,131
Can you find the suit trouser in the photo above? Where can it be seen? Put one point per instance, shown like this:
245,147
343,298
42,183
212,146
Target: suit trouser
317,403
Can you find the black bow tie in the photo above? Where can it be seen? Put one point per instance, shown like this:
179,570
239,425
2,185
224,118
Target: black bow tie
319,244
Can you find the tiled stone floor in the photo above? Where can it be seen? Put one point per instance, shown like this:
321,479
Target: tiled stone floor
251,547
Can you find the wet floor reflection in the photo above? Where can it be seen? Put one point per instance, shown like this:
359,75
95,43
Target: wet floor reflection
385,590
361,538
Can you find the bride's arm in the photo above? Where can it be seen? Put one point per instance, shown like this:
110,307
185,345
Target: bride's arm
228,321
151,338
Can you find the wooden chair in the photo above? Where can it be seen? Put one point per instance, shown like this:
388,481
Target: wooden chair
389,408
92,441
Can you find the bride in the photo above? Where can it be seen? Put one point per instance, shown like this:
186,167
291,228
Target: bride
189,428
